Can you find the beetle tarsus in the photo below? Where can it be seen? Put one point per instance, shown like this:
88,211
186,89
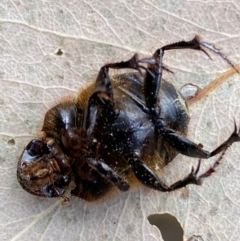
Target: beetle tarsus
192,178
217,51
235,137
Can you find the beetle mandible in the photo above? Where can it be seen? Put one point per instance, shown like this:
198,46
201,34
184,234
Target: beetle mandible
120,127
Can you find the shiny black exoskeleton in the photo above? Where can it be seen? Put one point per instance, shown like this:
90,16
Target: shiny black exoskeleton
123,126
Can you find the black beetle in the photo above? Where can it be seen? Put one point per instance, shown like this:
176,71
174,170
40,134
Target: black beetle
120,126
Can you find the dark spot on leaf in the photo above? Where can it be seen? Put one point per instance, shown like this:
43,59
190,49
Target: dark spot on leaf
59,52
11,142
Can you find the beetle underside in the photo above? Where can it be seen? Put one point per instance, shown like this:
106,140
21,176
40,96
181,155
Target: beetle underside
121,126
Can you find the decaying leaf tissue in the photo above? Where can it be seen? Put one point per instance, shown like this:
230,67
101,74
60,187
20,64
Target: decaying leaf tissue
118,128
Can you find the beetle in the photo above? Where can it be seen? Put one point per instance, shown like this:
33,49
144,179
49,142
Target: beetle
121,126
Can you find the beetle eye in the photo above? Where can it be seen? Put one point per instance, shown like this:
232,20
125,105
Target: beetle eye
37,148
34,148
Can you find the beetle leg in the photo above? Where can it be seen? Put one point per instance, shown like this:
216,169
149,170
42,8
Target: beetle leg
152,79
61,124
101,102
197,44
65,200
153,75
147,177
144,174
108,173
150,179
103,90
235,137
189,148
192,177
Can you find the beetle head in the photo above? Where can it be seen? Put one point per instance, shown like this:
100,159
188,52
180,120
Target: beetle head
43,169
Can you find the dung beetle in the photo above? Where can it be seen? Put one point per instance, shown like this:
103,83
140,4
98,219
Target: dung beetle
121,127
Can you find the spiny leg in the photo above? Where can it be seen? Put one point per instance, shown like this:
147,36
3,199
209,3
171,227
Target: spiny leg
101,102
154,69
147,177
189,148
192,177
197,44
153,75
235,137
144,174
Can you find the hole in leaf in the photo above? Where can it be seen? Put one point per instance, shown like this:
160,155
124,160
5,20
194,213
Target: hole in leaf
168,225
